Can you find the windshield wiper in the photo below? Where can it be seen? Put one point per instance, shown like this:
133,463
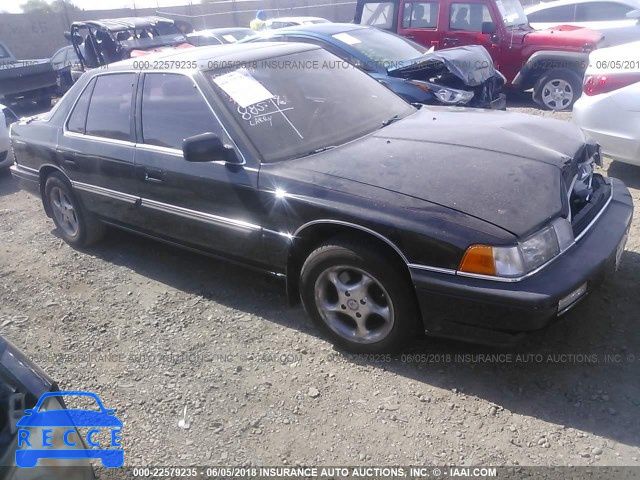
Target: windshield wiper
317,150
395,118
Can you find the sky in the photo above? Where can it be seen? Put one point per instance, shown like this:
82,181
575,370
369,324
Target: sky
13,6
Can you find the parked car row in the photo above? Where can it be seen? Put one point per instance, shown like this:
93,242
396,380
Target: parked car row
455,76
385,220
550,62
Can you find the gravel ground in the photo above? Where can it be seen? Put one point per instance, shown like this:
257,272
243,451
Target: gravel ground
206,364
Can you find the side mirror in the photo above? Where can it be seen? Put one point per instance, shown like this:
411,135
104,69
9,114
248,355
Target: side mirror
489,28
207,147
634,14
67,35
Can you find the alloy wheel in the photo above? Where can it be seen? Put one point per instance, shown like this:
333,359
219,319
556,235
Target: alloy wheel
354,304
64,212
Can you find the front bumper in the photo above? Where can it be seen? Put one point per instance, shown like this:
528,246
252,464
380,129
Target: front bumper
499,103
492,312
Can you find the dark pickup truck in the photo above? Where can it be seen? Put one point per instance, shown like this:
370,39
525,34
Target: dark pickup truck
26,80
551,62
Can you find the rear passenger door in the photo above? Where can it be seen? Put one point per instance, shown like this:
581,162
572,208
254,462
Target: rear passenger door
209,205
96,148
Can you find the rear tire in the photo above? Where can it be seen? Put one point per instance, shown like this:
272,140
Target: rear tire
77,226
558,89
358,298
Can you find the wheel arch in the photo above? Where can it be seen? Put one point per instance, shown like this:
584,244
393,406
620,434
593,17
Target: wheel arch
44,173
542,62
311,234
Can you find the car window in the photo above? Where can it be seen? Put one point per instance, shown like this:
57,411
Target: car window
173,109
276,25
381,48
72,56
377,14
468,17
420,15
601,11
337,51
287,114
564,13
109,113
59,56
78,118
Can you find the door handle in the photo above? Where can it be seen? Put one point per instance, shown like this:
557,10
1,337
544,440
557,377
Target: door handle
451,40
153,175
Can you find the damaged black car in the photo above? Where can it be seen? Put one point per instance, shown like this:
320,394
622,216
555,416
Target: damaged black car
461,76
384,219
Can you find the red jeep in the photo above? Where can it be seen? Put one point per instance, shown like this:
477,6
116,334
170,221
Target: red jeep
552,62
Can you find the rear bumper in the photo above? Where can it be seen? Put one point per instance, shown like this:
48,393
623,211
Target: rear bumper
611,120
492,312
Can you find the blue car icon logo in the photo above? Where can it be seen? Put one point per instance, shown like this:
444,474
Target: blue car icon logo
36,447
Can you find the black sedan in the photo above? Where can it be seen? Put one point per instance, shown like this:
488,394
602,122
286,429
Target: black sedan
384,219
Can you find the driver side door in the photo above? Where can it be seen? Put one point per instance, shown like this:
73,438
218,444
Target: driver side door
210,205
464,25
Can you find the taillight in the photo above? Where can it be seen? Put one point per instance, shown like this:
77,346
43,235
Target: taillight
597,84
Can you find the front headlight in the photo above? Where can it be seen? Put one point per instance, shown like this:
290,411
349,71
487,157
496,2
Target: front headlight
451,96
518,260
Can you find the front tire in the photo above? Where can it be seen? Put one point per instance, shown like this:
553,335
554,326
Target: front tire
358,298
558,89
78,227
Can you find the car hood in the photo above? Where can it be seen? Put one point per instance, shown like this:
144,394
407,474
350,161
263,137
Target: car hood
563,35
471,64
504,168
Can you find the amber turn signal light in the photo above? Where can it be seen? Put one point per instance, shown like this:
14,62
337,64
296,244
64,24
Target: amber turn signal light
478,259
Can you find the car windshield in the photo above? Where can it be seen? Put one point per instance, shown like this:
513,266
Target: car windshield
382,48
162,34
294,105
238,35
512,13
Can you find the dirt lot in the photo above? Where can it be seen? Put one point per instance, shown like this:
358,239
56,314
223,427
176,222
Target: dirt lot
206,364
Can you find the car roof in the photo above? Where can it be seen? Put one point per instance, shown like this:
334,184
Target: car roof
219,31
296,19
322,28
561,3
124,23
234,53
